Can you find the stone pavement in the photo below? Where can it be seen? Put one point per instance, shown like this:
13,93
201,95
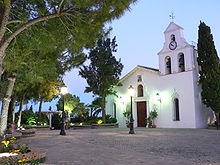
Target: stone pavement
117,147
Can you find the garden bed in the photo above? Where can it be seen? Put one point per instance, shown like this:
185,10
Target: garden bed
28,132
81,126
16,135
213,126
41,127
96,126
35,156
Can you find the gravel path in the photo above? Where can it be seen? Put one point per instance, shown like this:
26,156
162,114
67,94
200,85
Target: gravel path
117,147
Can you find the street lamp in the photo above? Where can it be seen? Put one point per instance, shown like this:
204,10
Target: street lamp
63,91
131,93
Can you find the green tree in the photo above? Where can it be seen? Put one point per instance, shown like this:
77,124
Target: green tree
76,20
75,16
82,111
103,73
209,63
70,102
72,105
95,107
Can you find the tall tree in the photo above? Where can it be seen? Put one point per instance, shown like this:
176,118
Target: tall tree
104,70
75,19
76,16
209,63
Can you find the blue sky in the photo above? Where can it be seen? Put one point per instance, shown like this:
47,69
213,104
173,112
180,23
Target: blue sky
139,34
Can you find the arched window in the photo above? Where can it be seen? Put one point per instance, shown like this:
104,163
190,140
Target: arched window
168,65
114,110
172,37
181,62
140,91
176,110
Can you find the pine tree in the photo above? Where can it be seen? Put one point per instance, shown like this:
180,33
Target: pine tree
209,63
103,72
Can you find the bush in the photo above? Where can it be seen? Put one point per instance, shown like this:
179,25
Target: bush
56,121
110,119
26,115
76,119
43,119
31,121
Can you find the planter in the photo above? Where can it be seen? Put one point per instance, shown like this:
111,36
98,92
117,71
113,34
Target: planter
36,156
211,126
38,127
16,135
96,126
28,132
41,127
81,126
152,126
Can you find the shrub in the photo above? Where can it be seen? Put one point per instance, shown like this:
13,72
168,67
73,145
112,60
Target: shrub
56,121
31,121
150,120
76,119
43,119
27,114
110,119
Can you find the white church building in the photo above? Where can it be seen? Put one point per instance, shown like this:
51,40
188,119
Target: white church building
172,90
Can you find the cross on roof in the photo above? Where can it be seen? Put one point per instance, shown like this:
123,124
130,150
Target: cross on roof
172,16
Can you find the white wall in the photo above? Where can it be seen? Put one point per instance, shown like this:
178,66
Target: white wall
179,84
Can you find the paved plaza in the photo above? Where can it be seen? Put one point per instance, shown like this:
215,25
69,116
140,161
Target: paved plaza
117,147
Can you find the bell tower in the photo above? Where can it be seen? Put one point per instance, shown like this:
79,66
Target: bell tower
177,55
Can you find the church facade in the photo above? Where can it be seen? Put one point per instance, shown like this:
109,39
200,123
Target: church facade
172,90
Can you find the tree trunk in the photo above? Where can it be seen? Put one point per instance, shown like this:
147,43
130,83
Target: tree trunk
103,110
103,115
1,64
11,110
217,115
40,109
5,12
20,113
13,113
5,103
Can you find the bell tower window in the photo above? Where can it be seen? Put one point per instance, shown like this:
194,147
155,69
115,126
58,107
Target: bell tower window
173,37
140,91
168,65
181,63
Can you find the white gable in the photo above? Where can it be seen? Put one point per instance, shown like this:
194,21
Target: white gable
172,27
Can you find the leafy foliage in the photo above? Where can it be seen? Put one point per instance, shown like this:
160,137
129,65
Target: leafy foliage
56,121
103,73
70,102
30,118
152,115
110,119
72,105
95,107
40,40
209,63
